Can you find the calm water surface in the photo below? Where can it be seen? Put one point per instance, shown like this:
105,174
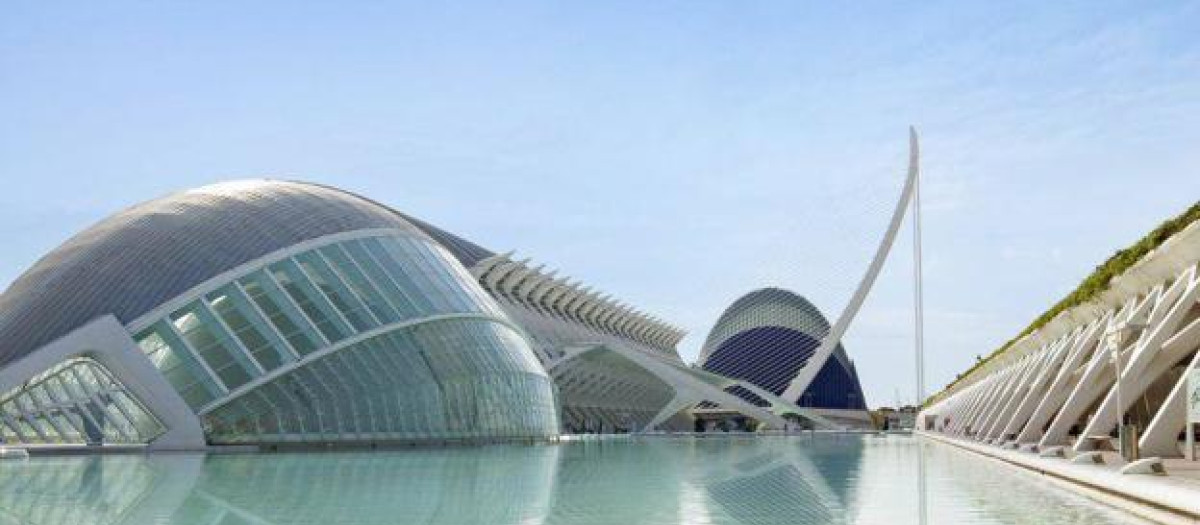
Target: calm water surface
727,480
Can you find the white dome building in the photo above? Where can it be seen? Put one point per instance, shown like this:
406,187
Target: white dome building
262,312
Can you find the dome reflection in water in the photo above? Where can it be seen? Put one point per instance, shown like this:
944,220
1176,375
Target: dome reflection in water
653,480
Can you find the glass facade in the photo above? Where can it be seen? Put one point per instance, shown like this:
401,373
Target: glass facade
451,379
75,402
375,338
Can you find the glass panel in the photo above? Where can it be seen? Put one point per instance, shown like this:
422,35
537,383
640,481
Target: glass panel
402,273
380,276
309,300
234,317
362,286
332,288
291,325
441,380
72,403
178,368
207,344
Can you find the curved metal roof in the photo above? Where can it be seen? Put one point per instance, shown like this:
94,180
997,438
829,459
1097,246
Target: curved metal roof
132,261
768,307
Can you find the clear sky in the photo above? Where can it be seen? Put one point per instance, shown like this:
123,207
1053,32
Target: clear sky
674,154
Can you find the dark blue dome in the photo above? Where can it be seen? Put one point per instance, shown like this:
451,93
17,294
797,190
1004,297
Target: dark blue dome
768,336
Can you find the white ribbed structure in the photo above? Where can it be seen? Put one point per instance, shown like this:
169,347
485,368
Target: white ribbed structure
1061,383
616,368
558,296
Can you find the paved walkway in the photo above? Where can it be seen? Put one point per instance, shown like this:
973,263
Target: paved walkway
1173,498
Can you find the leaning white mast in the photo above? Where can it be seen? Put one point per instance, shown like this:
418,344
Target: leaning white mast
800,383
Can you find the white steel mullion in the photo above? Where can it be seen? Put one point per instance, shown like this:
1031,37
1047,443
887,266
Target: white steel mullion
322,297
59,402
43,411
413,305
275,334
291,301
187,347
16,429
248,357
101,388
370,280
345,284
83,409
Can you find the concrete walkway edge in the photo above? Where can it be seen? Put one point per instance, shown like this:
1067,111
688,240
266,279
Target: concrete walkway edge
1158,498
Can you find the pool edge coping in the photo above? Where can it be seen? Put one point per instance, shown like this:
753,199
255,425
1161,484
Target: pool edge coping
1157,510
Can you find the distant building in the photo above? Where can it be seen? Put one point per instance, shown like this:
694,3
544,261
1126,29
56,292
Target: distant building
767,337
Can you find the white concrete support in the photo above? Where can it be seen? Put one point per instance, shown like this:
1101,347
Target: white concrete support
975,421
1030,389
1164,319
1036,389
995,410
1020,387
105,340
983,392
1095,381
1160,437
1092,363
1064,382
961,420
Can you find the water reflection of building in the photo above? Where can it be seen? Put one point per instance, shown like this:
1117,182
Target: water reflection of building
746,481
785,484
482,485
497,485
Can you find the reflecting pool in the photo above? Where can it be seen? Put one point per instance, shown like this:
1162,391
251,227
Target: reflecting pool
651,480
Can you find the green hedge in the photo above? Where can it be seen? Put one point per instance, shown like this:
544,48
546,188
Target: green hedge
1096,283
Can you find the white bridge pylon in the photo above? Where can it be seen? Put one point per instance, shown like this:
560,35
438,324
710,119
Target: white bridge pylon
809,372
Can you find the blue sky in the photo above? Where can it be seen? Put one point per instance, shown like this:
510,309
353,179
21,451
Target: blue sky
676,154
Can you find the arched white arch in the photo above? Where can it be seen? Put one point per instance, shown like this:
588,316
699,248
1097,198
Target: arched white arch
806,375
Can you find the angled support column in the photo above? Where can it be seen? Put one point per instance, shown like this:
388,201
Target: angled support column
1161,436
988,412
1024,370
1096,378
985,388
1068,375
1164,319
974,421
1031,391
673,407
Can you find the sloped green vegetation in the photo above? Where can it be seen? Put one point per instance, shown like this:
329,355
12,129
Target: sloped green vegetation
1095,283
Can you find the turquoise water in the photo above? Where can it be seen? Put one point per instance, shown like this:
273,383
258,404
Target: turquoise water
654,480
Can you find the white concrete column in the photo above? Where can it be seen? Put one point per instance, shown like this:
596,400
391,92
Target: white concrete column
1068,376
1164,319
1022,404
